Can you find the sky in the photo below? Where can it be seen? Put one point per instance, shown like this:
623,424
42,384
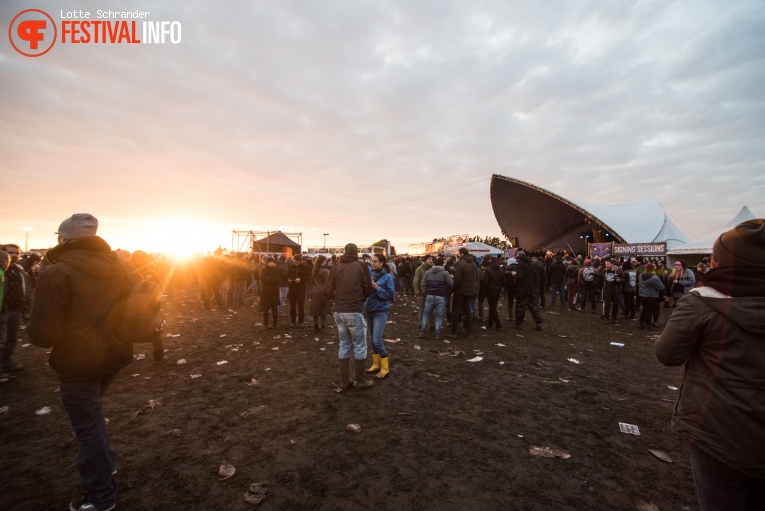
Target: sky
369,120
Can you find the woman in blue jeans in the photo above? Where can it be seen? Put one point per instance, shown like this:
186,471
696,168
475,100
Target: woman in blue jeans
377,307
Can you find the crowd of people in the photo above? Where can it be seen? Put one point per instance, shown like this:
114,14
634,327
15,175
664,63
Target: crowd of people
717,329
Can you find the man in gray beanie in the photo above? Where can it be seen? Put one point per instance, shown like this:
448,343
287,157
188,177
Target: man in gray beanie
718,332
75,309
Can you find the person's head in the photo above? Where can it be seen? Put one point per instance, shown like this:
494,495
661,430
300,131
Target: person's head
744,245
378,261
321,261
649,267
463,252
13,252
439,261
487,260
271,262
429,260
609,264
297,259
680,266
588,262
5,260
79,225
140,259
702,268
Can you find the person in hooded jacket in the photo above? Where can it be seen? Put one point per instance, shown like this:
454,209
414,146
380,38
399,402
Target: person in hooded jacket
525,292
438,285
557,277
717,332
512,278
650,286
493,281
320,305
377,307
74,312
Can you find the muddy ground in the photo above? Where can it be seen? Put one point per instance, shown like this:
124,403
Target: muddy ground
441,433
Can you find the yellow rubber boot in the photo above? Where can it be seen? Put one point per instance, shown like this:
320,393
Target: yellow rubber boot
383,368
375,363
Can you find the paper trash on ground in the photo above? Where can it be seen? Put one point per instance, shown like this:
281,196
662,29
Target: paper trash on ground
620,344
661,455
574,360
547,452
629,428
475,359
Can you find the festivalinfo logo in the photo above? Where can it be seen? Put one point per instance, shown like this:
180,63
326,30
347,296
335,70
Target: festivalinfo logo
33,32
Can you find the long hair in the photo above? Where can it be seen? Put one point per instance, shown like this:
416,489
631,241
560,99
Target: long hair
382,259
317,266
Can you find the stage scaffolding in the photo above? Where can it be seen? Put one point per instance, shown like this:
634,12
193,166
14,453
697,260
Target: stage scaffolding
245,241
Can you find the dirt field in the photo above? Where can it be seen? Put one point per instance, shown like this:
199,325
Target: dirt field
441,433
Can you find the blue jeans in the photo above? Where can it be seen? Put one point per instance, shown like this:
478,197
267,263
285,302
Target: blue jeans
10,321
377,322
95,459
351,328
282,297
433,302
722,488
560,290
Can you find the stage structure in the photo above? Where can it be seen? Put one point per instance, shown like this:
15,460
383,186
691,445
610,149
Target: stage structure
266,242
541,219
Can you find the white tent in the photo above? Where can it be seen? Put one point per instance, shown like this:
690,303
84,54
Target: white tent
693,251
481,249
542,219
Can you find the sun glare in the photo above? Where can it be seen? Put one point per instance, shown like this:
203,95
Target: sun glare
180,238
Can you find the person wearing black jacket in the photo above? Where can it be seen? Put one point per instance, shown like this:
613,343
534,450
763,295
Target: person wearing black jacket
525,292
74,312
14,303
269,290
512,279
540,282
557,275
493,281
466,278
298,276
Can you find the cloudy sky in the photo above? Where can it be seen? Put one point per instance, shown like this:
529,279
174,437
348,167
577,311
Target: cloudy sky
386,119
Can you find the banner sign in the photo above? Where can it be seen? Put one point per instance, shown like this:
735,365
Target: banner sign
643,249
600,250
453,243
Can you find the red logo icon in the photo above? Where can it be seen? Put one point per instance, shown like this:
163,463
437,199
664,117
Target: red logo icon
32,32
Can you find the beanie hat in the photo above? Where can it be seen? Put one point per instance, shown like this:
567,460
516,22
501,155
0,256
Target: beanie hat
351,248
587,262
744,245
79,225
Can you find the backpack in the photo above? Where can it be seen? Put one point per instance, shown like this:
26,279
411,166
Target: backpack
140,317
588,274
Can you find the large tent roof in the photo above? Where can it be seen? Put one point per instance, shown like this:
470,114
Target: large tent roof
542,219
704,244
274,242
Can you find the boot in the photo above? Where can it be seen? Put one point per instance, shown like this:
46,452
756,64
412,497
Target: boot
361,379
323,323
383,368
315,324
375,363
345,371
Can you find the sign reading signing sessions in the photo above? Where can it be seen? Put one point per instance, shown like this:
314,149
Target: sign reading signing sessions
644,249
